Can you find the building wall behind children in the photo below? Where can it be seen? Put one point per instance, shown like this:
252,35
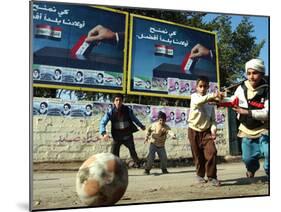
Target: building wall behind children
58,138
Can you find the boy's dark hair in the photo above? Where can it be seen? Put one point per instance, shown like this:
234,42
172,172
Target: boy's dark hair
118,95
203,79
162,115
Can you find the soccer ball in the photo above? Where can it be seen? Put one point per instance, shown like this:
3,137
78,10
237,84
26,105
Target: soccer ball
101,180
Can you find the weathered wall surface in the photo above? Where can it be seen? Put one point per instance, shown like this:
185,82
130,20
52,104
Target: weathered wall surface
64,139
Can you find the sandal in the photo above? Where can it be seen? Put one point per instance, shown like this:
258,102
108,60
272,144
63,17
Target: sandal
200,179
214,182
250,174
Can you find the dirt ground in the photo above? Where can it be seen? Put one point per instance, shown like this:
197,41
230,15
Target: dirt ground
56,189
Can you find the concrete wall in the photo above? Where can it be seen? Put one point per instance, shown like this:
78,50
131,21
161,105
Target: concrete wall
64,139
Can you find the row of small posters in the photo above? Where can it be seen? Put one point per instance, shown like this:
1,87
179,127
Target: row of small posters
76,76
176,116
173,86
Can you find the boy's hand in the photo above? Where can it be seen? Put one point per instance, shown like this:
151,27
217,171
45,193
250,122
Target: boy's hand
105,137
241,111
174,137
214,134
219,96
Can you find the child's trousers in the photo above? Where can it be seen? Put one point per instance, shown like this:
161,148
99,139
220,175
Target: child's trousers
253,150
129,143
151,156
204,152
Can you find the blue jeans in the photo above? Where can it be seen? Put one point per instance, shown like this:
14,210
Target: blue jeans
253,150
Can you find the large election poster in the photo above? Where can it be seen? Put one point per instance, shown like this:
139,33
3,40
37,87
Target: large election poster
159,58
63,57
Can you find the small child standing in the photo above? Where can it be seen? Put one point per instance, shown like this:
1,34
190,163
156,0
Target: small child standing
157,135
202,132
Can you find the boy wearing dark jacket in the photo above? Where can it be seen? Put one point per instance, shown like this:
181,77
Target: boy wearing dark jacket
122,127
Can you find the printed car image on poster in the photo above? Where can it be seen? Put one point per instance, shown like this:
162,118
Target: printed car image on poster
159,57
79,47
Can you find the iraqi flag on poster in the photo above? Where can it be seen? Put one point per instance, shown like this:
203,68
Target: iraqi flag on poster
82,48
188,64
163,50
48,32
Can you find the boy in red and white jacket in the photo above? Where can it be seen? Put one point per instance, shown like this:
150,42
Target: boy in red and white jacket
253,115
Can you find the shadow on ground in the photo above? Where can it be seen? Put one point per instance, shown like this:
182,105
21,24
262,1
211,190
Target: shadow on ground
158,174
245,181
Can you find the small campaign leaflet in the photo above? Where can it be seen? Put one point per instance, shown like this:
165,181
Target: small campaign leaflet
159,84
185,87
173,86
142,83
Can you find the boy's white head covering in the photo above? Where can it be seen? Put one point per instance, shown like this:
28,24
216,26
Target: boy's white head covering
256,64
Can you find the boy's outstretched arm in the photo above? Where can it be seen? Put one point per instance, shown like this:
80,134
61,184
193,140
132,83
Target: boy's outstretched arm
148,134
172,134
197,100
105,119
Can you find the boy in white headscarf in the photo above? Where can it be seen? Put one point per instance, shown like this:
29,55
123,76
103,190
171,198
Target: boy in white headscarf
253,116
